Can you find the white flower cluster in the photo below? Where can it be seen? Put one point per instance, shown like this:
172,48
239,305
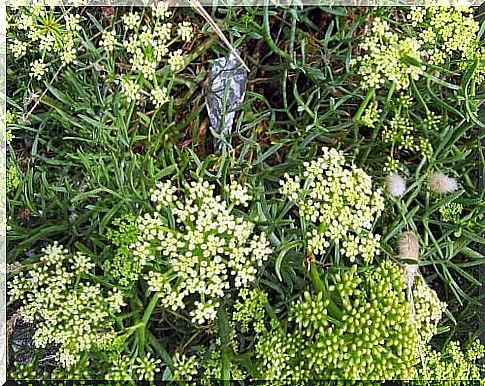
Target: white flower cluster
159,96
185,367
149,47
108,41
144,368
446,32
339,202
402,133
131,90
438,34
67,310
238,194
428,309
386,56
55,36
38,69
194,245
121,370
185,31
176,61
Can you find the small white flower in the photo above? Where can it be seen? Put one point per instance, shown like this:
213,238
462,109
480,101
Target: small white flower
159,96
68,311
176,61
163,32
18,48
72,22
81,263
185,31
130,89
185,368
25,21
146,37
146,367
132,45
238,194
68,54
161,10
38,69
108,41
131,20
46,42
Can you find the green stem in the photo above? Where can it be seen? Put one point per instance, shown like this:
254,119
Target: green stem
294,19
140,341
375,132
141,332
473,87
132,329
150,308
315,276
321,287
161,350
267,35
224,334
301,103
363,105
418,95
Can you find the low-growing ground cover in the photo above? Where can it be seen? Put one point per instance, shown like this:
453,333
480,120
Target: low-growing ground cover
333,232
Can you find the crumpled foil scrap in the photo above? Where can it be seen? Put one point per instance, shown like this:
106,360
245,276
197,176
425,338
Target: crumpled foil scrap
227,82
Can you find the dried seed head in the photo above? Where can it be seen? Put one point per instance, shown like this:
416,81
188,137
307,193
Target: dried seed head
409,250
408,246
410,272
396,185
441,183
14,267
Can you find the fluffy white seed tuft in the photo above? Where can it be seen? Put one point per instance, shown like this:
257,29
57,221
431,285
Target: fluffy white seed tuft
441,183
396,185
408,246
409,250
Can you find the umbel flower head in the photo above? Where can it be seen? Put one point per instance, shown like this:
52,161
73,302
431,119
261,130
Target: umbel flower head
386,55
46,32
360,327
437,34
66,309
454,363
338,204
193,248
446,32
428,309
451,212
149,47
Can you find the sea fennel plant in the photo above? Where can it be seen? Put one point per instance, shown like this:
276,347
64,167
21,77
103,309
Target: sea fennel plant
353,323
337,206
68,308
356,324
191,249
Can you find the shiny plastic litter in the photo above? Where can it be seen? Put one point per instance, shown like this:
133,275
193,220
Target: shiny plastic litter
227,86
